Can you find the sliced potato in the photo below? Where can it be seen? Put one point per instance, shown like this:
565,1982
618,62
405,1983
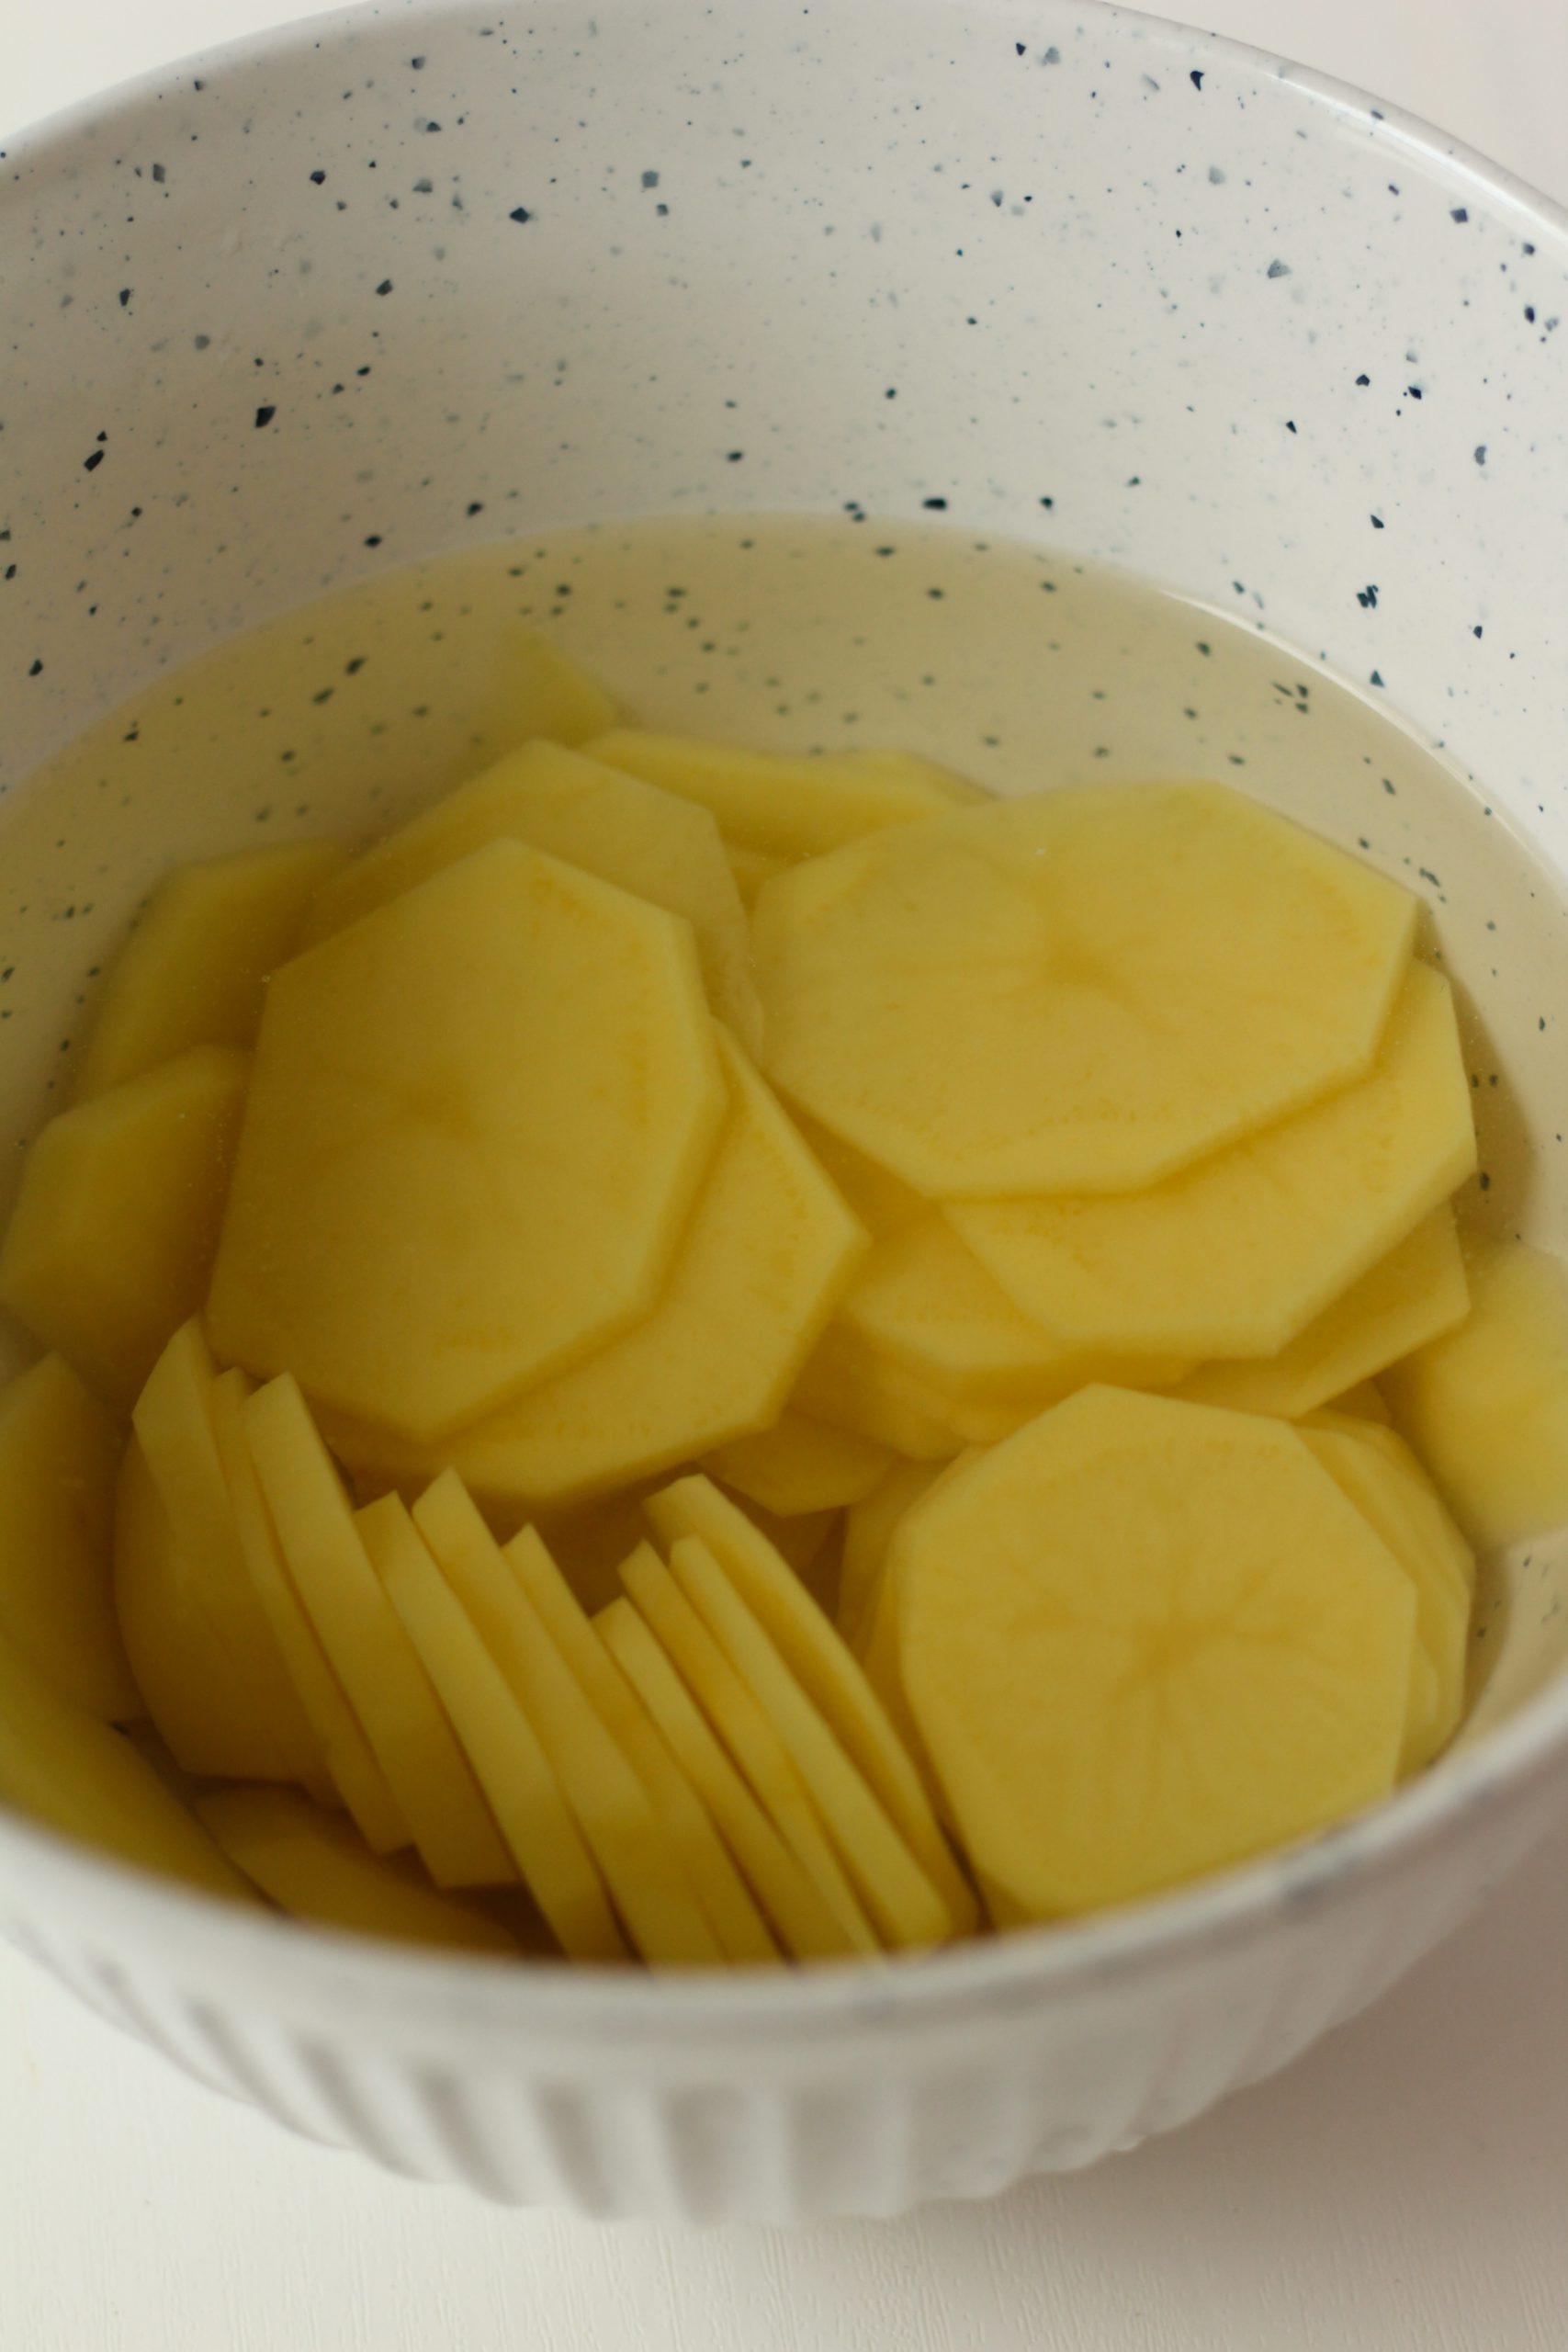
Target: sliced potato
868,1530
370,1651
70,1771
787,807
1186,1646
350,1769
1486,1405
852,1386
742,1930
1414,1295
194,970
631,1845
900,1900
1084,989
479,1120
316,1866
59,1457
1236,1257
175,1430
540,691
805,1925
800,1465
507,1756
752,868
111,1240
628,833
1363,1403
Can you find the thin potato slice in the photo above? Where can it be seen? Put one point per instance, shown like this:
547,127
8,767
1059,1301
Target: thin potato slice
822,1664
641,1864
752,1739
175,1430
315,1866
805,1925
628,833
903,1906
800,1465
478,1119
111,1240
782,805
1414,1295
195,967
1363,1403
506,1752
1486,1405
734,1918
868,1530
59,1458
1083,990
64,1767
540,691
349,1768
752,868
370,1651
1188,1646
1236,1257
852,1386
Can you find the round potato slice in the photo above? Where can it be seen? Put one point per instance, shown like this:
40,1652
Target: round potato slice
1081,990
478,1119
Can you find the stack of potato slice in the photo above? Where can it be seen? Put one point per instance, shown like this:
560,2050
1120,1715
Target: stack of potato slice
671,1196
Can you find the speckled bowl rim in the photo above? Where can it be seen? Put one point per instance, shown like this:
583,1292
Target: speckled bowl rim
475,1996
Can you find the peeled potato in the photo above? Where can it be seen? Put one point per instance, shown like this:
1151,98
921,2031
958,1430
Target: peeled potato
768,1250
1236,1256
818,1659
752,868
806,1926
852,1386
1378,1473
539,691
868,1530
628,833
194,970
59,1456
1486,1405
782,805
315,1866
110,1244
639,1861
741,1931
64,1767
479,1120
506,1753
800,1465
1186,1646
1082,990
1414,1294
175,1430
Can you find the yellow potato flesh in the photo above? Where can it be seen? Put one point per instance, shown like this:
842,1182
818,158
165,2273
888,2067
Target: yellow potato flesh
752,868
366,1645
868,1530
315,1866
1416,1293
800,1465
177,1435
539,691
507,1756
1380,1475
111,1241
194,970
1082,990
65,1768
856,1387
641,1864
1236,1257
781,807
628,832
769,1249
59,1457
806,1925
900,1901
349,1773
815,1654
1486,1405
478,1119
741,1931
1363,1403
752,1739
1186,1646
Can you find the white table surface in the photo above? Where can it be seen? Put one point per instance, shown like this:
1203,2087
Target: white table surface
1404,2189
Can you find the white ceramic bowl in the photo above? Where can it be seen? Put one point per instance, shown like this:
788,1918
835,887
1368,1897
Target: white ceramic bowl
1146,273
